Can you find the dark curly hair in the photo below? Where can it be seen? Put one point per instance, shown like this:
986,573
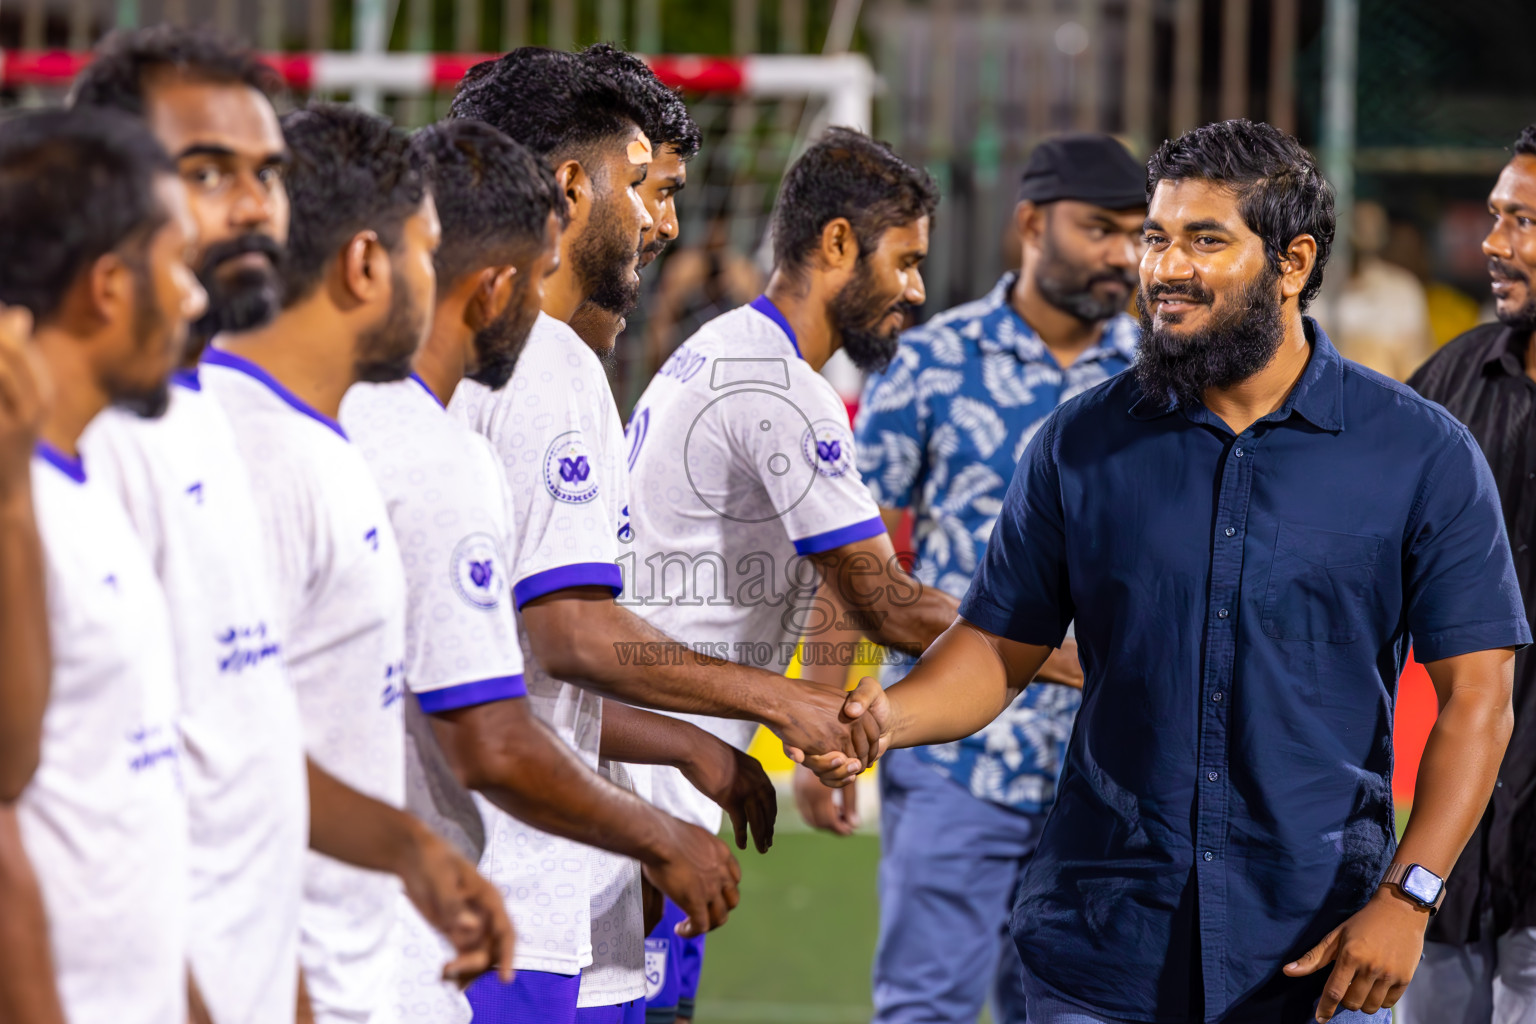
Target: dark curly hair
493,196
847,174
125,59
667,121
1281,193
551,101
74,186
1525,145
352,171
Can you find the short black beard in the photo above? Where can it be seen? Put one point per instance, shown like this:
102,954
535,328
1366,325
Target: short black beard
1069,287
1522,320
385,352
251,299
1244,334
499,344
856,314
603,258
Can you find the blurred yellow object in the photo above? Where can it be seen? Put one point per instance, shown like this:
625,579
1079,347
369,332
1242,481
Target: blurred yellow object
766,746
1452,312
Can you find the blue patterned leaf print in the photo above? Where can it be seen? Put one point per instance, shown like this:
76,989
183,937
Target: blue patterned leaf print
936,381
945,346
981,422
902,457
1004,381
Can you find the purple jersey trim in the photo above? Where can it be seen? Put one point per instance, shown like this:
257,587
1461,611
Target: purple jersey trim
187,379
815,545
581,574
417,378
69,465
219,357
463,695
764,305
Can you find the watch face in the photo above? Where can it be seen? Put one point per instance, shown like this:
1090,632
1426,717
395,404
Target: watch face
1423,885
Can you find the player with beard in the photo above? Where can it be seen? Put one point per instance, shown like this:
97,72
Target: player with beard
742,462
501,216
94,850
557,432
675,140
1248,531
1480,961
357,283
185,486
940,432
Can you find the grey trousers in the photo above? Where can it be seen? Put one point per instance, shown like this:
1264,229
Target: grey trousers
1487,982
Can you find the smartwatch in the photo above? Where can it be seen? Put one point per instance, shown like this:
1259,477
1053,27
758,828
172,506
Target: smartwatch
1418,883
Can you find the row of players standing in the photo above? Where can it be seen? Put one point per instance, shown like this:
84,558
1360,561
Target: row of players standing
299,547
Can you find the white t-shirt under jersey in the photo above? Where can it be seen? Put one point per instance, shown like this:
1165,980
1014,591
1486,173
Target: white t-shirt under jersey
103,820
186,491
341,589
557,434
742,462
452,513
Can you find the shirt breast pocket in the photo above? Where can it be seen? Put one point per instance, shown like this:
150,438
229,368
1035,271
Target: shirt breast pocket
1321,585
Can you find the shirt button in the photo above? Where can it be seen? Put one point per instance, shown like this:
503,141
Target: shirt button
1217,696
1229,531
1222,614
1209,856
1238,453
1212,776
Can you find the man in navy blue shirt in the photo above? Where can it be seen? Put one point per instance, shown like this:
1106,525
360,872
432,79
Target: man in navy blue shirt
1248,531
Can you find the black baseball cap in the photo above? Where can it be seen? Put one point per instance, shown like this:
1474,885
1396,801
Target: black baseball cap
1087,167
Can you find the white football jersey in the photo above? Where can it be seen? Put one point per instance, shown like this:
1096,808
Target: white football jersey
452,513
557,434
104,820
187,494
341,591
617,972
743,463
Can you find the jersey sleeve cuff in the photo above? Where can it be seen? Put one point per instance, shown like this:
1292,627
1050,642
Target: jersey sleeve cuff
463,695
816,544
563,577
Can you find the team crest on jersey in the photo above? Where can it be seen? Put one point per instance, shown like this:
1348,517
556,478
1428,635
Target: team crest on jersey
568,470
828,447
478,575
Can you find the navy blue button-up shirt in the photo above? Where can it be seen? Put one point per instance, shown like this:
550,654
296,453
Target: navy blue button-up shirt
1243,606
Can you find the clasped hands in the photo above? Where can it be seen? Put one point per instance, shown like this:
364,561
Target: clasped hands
844,734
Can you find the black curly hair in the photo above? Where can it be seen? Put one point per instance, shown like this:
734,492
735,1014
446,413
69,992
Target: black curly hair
1525,145
847,174
667,121
352,171
126,59
553,102
493,196
74,186
1280,190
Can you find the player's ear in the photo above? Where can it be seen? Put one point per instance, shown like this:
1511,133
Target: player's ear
493,293
108,289
1028,221
839,245
364,267
574,181
1296,266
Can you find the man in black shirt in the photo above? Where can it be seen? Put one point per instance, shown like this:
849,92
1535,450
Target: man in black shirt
1480,958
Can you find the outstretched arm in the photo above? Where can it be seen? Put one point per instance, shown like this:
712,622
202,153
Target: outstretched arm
889,604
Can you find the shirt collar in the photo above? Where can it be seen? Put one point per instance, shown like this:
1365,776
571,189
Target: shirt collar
187,378
1318,396
764,305
220,357
1507,353
70,465
430,393
1119,339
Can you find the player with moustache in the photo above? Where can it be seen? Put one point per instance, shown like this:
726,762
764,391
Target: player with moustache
501,216
557,433
357,284
94,851
675,140
1248,531
184,485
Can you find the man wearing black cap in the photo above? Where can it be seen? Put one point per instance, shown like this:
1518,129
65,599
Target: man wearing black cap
940,432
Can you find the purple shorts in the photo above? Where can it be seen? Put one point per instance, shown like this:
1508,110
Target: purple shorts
535,997
672,966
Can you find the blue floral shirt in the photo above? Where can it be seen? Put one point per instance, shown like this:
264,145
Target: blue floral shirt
940,431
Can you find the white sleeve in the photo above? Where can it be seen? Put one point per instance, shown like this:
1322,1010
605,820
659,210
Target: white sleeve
800,446
461,637
553,446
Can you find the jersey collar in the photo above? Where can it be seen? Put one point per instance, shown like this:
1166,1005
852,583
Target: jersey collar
764,305
430,393
219,357
70,465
